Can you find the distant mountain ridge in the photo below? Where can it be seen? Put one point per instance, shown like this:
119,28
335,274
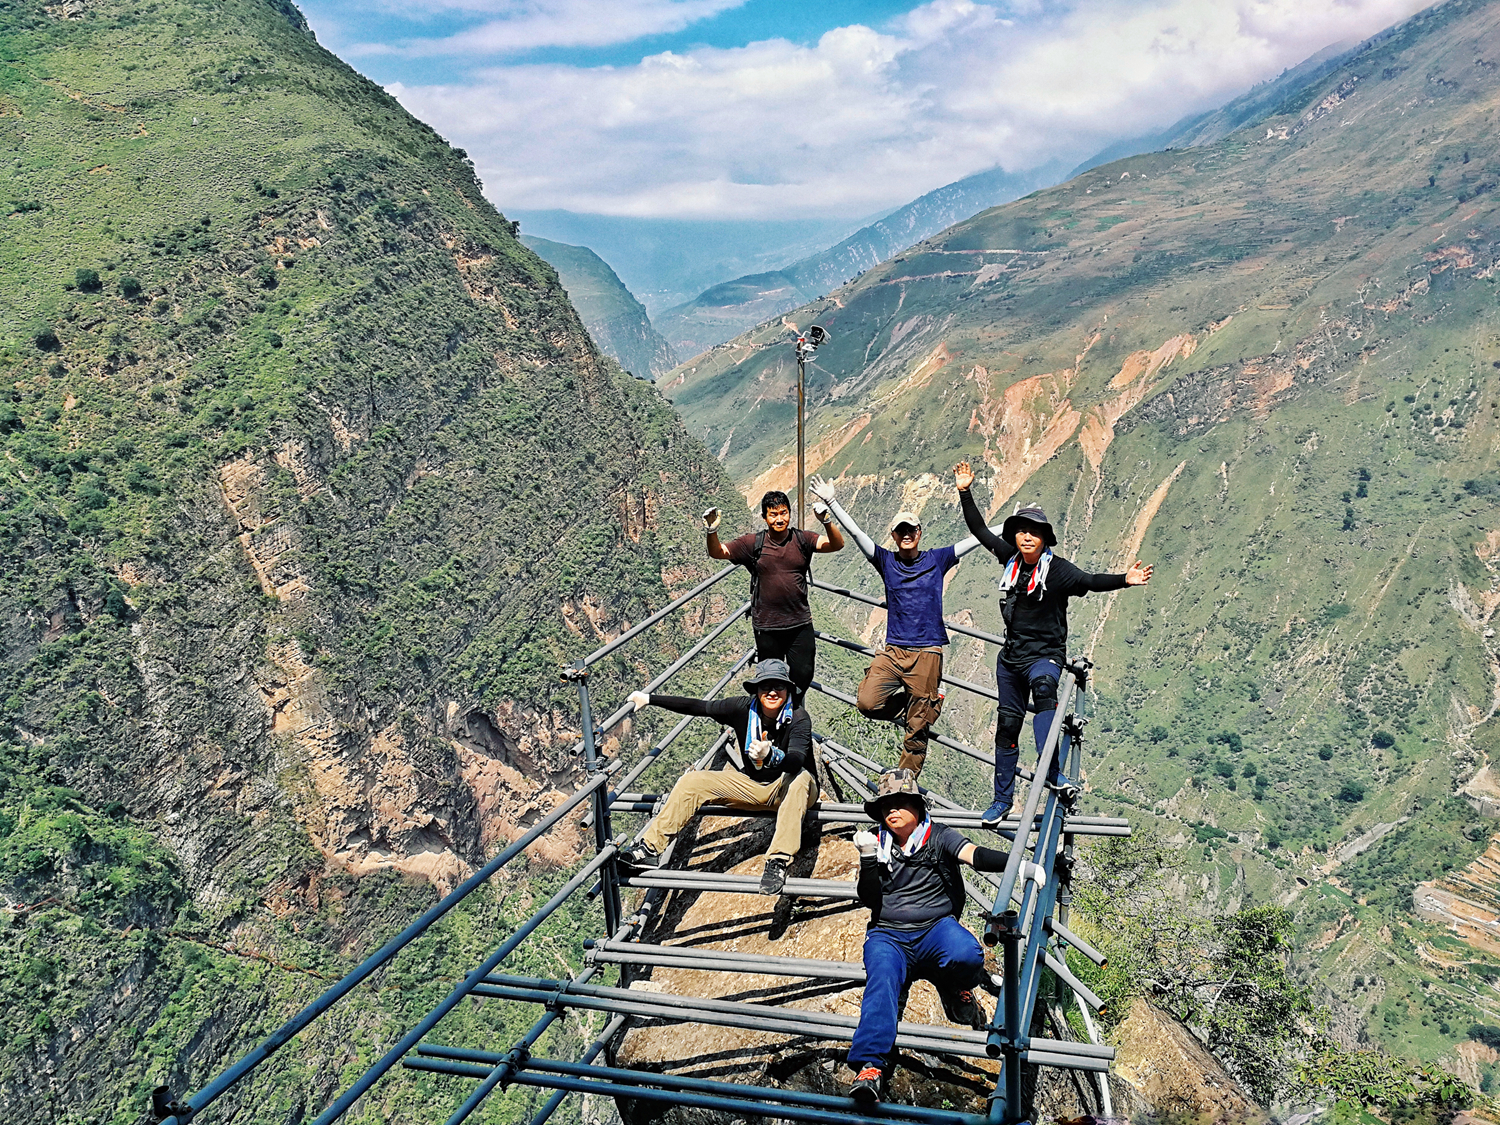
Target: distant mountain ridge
729,308
615,319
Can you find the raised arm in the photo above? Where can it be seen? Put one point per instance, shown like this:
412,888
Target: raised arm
832,538
716,550
726,711
979,534
824,491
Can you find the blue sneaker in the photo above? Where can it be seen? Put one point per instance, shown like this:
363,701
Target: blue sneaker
995,814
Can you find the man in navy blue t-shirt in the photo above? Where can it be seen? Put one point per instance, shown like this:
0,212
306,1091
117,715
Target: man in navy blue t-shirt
904,678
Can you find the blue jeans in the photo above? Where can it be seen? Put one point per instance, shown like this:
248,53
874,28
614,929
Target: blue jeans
1039,683
945,953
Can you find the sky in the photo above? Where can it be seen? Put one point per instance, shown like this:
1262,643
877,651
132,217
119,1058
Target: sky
770,109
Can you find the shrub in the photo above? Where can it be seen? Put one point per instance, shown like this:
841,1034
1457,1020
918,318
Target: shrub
130,287
1325,752
1333,612
1249,770
46,340
1230,739
87,280
1351,791
1383,739
1223,768
1158,734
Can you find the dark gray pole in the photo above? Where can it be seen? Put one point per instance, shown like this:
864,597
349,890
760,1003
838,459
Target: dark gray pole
1010,939
608,876
801,456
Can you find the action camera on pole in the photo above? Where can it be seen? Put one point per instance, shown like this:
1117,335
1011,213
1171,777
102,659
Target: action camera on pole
807,343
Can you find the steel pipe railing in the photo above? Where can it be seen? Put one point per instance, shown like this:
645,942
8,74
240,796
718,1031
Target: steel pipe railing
342,1103
940,739
855,646
666,611
278,1038
1032,925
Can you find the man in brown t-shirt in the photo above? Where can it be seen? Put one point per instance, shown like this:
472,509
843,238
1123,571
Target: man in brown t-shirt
779,612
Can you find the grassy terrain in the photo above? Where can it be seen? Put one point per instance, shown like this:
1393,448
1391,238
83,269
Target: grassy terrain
1276,359
302,450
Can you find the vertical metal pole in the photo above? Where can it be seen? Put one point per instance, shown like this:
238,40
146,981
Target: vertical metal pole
1010,939
801,453
608,875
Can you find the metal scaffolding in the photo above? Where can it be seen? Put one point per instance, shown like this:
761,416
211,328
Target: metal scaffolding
1029,923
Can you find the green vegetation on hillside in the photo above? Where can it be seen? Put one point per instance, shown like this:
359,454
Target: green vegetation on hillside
306,460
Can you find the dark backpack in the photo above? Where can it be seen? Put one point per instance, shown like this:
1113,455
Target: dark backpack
753,566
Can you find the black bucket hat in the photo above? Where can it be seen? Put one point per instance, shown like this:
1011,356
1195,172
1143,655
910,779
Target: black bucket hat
1032,514
769,672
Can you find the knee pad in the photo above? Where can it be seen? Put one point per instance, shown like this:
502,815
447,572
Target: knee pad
1008,727
1044,693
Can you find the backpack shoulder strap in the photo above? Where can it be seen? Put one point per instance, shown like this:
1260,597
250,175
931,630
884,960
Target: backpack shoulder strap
753,566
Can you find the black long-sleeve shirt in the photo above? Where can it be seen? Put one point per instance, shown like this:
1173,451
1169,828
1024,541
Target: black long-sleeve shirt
793,739
1036,625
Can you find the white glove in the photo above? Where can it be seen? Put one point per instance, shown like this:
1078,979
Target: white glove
1036,874
759,750
711,519
820,510
640,699
866,842
822,489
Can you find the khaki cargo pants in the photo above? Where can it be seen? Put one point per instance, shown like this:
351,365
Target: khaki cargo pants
789,798
905,679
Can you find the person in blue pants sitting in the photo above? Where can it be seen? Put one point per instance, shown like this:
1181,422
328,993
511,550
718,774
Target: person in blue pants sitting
1036,586
909,878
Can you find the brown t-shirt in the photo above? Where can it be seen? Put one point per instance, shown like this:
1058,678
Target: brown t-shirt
781,597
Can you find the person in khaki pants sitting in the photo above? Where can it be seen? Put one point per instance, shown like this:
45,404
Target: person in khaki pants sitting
769,768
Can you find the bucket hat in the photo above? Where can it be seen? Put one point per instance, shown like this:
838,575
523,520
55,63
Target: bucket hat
1032,513
769,672
894,783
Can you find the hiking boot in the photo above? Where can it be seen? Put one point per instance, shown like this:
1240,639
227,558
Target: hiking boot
773,878
640,856
865,1089
993,815
961,1008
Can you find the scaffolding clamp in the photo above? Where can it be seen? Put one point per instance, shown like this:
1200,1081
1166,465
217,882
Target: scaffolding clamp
163,1106
574,675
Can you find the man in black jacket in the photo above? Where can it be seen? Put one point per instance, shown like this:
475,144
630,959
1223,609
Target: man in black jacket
1036,585
909,878
768,769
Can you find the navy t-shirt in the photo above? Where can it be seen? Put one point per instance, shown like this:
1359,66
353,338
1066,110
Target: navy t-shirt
914,596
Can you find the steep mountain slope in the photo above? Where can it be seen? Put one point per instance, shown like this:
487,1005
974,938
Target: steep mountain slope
1271,365
311,480
729,308
665,261
616,321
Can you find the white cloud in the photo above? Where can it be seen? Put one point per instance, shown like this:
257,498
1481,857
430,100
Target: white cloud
867,118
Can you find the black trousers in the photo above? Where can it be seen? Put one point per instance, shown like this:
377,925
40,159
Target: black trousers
797,646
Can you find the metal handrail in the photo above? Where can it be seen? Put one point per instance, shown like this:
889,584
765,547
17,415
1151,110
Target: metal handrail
1033,923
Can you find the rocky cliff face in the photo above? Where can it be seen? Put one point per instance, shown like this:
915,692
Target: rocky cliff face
312,480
